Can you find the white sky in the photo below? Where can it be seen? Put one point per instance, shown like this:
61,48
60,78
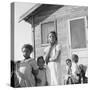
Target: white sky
23,32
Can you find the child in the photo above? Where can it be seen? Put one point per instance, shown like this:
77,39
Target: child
26,67
75,68
42,72
82,77
68,76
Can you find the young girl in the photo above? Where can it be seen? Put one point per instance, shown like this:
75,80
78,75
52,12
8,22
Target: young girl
42,72
26,66
52,55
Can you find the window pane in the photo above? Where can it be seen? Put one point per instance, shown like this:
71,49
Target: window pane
77,29
45,29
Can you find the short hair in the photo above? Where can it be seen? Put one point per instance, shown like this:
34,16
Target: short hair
75,56
28,46
55,34
40,57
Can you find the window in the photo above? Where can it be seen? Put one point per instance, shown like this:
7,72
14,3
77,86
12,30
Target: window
78,33
46,28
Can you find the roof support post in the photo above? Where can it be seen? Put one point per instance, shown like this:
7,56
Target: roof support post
33,30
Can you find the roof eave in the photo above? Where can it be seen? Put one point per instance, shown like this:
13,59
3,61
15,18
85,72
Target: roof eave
29,12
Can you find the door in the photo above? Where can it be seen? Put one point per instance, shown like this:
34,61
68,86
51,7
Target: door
78,38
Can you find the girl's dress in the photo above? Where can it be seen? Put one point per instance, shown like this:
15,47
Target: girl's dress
54,68
42,76
27,79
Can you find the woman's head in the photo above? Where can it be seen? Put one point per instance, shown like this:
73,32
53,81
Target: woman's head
40,61
27,50
52,37
75,58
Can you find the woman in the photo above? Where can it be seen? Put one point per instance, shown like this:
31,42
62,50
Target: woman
52,56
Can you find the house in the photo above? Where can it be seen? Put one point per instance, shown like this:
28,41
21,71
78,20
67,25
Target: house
70,23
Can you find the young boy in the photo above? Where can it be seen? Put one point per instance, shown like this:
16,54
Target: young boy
26,67
42,72
68,76
82,77
75,68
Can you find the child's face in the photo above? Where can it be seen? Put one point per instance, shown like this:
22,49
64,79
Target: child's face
26,53
41,63
74,59
51,38
69,63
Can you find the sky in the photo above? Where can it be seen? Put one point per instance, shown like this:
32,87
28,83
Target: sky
23,31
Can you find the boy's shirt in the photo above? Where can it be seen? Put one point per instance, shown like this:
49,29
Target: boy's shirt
42,76
68,72
75,69
75,72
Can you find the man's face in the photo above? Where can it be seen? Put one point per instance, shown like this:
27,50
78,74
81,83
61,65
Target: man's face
26,53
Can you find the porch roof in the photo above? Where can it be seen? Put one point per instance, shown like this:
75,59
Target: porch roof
27,16
30,12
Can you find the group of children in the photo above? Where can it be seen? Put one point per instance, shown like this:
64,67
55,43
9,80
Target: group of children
75,73
30,72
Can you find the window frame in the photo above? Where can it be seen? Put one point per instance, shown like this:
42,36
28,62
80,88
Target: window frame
55,27
86,34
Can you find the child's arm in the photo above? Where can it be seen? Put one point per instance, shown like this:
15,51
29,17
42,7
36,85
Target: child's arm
34,67
35,72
